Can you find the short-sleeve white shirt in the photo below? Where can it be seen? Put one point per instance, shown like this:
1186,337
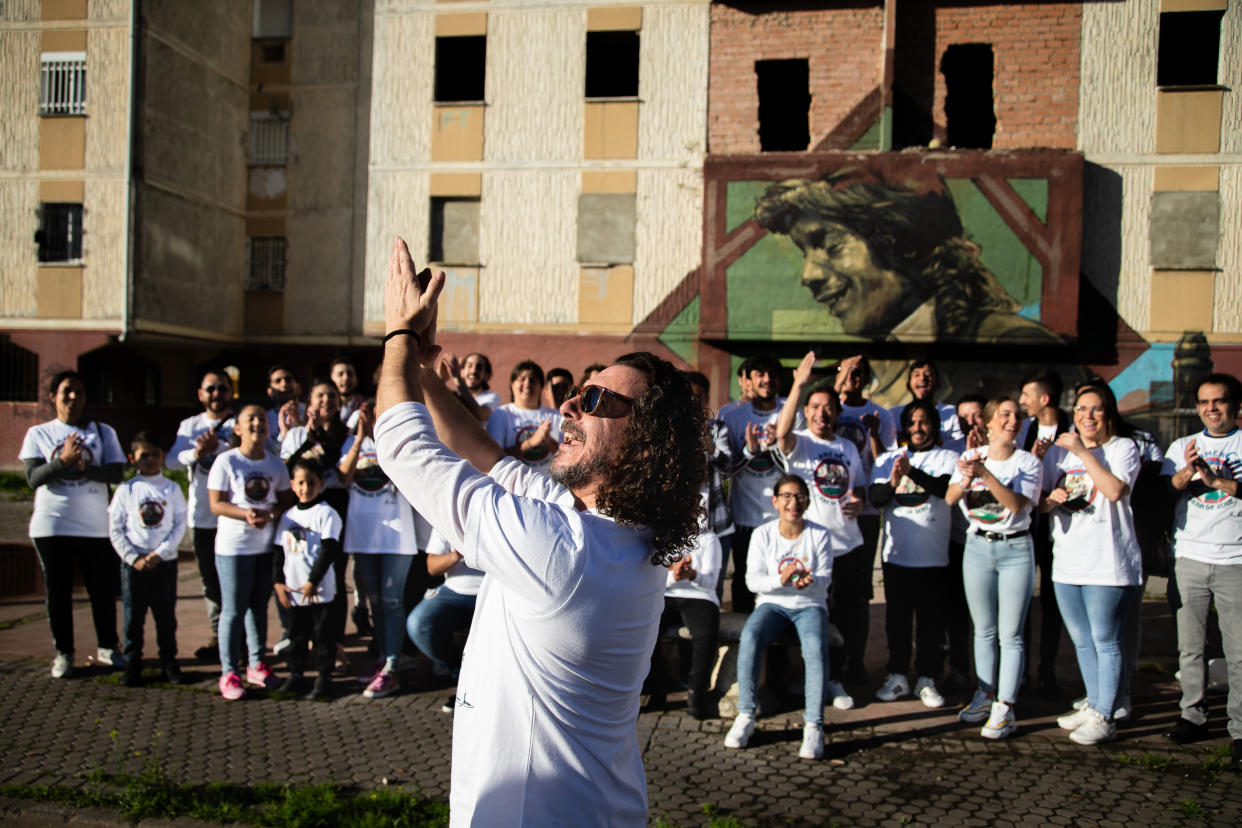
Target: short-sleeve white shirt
916,522
247,484
1020,472
1207,524
71,505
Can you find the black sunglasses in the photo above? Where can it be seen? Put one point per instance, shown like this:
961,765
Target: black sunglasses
592,395
221,387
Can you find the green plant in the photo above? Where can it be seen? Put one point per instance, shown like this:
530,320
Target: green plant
1191,808
13,486
1151,761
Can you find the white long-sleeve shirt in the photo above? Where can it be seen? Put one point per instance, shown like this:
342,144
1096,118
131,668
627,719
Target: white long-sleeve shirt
811,552
564,626
147,514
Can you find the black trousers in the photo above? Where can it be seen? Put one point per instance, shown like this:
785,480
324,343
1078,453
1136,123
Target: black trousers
703,620
58,555
743,598
915,596
957,613
1050,623
850,607
205,557
307,624
156,590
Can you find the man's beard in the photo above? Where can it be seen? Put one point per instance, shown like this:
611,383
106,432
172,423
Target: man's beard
579,474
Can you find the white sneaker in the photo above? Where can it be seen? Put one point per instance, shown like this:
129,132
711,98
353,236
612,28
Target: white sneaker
1001,723
1080,704
111,657
1095,730
739,734
62,665
841,700
1075,720
281,645
812,741
894,687
978,710
925,689
1122,711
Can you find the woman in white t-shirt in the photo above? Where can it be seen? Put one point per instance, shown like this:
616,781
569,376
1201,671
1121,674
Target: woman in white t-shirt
524,428
1096,563
997,485
69,463
249,490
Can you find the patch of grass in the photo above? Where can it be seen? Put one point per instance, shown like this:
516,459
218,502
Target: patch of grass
13,486
1151,761
16,622
1191,808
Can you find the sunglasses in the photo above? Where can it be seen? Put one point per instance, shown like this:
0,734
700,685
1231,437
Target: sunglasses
590,397
221,388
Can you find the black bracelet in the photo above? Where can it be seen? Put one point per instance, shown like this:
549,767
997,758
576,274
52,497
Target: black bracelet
405,332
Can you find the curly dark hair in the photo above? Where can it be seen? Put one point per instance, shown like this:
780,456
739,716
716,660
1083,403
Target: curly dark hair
656,480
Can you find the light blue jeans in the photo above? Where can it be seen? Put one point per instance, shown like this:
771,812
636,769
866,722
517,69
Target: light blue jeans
1094,617
433,622
1199,585
999,577
765,625
245,588
382,577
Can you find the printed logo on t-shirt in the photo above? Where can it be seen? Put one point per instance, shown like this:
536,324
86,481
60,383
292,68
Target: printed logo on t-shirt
983,505
799,567
257,486
73,474
369,478
910,495
151,512
1079,489
538,452
761,464
856,433
831,477
293,540
1227,466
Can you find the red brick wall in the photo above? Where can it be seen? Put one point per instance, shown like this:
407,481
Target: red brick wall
843,47
1036,48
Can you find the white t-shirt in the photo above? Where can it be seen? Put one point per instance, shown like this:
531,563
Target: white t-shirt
564,627
1020,472
147,514
509,425
380,519
295,439
247,484
751,488
459,577
916,523
182,457
705,559
769,551
301,534
950,429
831,468
850,426
1207,524
71,505
487,399
1093,540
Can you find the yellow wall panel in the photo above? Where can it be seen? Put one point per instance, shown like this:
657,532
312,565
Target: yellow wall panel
456,184
457,133
60,292
610,129
605,295
1188,122
619,19
68,192
265,226
64,9
1181,300
1193,5
62,143
460,25
64,40
1187,179
609,181
265,312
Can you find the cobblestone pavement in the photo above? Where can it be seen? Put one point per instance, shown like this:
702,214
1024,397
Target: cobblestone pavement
886,764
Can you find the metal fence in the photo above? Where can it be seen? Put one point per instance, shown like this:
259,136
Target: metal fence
265,263
269,138
62,83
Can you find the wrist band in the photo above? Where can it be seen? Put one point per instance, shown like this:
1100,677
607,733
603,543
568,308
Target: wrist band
405,332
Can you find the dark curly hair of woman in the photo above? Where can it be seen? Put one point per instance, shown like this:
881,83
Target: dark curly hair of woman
661,468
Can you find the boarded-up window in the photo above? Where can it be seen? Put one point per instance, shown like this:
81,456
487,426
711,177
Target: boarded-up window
784,105
606,228
460,68
454,231
1185,229
273,18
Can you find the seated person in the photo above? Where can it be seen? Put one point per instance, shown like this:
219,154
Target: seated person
789,567
444,610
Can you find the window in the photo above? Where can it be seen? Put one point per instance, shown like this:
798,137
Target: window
460,68
60,232
612,65
454,231
606,224
62,83
273,18
19,372
265,263
784,104
970,119
269,138
1189,48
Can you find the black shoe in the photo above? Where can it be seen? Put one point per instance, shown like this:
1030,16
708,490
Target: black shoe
700,706
322,690
1236,755
362,620
209,653
450,704
173,674
132,676
292,684
1186,731
1048,688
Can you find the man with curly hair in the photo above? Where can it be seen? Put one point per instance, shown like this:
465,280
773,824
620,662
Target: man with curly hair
568,611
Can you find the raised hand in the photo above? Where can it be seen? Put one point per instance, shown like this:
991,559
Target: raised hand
410,298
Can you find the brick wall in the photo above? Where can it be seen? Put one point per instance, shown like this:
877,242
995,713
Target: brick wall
843,47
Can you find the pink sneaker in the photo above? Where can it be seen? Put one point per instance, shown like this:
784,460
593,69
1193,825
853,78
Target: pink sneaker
231,687
259,676
384,684
371,672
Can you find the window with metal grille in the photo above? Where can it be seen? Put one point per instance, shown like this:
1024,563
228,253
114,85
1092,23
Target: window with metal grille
265,263
62,83
60,232
269,138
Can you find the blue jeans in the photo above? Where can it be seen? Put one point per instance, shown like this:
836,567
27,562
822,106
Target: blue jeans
1200,585
245,587
764,626
999,577
1094,616
433,622
382,577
